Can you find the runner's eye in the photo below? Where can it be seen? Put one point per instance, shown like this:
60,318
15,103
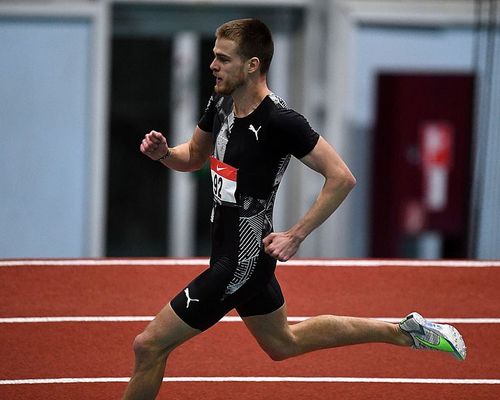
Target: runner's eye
222,59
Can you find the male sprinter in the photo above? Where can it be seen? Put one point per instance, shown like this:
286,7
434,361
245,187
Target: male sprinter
249,135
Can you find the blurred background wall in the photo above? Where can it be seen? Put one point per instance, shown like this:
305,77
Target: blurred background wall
408,92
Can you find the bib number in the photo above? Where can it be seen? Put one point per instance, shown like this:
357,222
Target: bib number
224,181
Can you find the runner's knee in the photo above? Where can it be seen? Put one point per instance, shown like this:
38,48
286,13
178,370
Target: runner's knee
146,347
142,346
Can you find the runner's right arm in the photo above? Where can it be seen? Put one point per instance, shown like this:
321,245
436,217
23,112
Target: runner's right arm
185,157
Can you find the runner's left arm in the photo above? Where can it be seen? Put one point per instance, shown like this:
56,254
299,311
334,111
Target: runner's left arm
339,181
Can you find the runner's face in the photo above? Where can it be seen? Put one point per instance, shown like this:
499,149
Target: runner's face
227,67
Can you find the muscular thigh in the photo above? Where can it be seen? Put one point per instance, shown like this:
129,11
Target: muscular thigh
206,299
202,303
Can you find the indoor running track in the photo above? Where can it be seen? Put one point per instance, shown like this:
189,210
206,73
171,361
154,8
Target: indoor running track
67,327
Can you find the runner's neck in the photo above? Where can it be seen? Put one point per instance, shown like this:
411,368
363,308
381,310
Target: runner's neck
246,101
245,105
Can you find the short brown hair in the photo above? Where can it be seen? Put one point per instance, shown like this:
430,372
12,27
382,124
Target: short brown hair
253,37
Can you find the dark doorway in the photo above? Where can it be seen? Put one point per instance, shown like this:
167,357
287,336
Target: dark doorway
137,187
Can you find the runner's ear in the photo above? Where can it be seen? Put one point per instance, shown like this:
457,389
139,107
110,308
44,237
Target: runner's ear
253,65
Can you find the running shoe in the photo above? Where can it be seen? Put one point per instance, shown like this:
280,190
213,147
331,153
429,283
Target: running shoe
429,335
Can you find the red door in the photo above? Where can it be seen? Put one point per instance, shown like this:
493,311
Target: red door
422,163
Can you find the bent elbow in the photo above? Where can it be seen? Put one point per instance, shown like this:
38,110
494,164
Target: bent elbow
342,183
350,180
346,180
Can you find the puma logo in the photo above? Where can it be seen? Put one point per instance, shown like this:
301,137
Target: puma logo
255,131
189,299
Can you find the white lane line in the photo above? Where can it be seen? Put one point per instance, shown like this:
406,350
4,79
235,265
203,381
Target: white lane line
297,262
37,320
168,262
327,379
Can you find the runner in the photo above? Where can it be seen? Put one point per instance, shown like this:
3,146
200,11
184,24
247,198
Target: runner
249,135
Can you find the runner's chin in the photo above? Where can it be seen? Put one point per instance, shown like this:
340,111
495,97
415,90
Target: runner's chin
224,91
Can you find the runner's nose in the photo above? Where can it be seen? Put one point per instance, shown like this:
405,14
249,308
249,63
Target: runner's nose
213,64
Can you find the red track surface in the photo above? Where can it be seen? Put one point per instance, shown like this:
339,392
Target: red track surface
103,349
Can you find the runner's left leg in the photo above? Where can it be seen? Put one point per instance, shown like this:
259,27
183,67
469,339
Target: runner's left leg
281,340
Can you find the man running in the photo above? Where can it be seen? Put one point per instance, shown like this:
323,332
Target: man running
249,135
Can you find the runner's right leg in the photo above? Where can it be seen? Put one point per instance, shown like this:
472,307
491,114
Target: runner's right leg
152,347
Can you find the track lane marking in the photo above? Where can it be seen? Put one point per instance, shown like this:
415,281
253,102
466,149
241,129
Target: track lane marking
65,319
303,379
293,263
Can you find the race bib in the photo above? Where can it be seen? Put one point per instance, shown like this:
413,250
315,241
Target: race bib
224,181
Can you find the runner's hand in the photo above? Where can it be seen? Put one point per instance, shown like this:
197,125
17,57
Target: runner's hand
154,145
281,245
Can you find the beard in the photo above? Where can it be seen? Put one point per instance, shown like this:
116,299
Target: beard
228,86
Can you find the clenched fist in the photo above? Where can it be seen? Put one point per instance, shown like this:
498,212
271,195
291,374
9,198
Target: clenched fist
154,145
281,245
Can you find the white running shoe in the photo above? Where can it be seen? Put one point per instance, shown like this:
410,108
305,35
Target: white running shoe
429,335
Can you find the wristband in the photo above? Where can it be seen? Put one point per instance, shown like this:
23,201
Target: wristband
166,155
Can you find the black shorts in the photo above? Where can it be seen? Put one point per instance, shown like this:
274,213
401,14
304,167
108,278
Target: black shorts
205,300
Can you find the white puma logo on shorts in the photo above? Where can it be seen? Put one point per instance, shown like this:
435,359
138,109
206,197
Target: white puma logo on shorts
189,299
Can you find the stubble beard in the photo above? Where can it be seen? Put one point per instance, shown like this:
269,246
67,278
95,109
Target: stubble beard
229,88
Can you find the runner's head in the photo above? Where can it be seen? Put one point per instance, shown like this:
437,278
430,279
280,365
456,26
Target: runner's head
253,39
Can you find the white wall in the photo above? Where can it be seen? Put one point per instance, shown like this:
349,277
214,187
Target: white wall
53,116
485,221
44,137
